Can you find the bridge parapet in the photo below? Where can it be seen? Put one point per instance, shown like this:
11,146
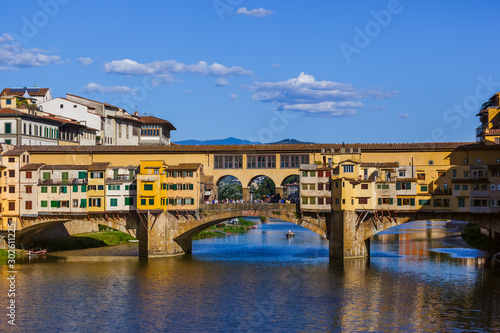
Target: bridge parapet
249,206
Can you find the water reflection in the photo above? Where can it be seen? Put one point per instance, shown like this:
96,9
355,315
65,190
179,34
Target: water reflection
421,277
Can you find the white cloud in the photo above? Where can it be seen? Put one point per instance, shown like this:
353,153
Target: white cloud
85,61
306,94
276,65
233,96
97,88
132,67
8,69
221,82
14,55
259,12
403,115
188,91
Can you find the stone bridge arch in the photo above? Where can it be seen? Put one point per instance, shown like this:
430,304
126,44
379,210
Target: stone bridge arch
30,227
179,229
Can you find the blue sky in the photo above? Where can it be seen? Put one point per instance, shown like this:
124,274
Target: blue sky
322,71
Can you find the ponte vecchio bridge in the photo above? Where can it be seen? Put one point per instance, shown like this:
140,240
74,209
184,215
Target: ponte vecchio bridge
417,181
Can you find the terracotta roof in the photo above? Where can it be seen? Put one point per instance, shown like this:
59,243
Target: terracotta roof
99,166
12,112
66,121
207,179
379,165
65,167
156,120
40,92
15,152
241,149
32,166
185,166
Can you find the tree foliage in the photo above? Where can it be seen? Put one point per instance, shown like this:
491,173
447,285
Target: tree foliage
230,191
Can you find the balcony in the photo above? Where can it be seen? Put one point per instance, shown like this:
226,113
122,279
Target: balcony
492,132
439,191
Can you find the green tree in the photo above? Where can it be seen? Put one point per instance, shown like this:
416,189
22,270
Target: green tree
267,187
230,191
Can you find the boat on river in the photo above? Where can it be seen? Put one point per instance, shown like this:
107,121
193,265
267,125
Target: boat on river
290,233
37,253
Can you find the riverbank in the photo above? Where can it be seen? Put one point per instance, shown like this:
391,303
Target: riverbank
473,236
223,229
85,241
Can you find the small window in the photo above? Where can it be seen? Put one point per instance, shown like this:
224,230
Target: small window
478,160
148,187
61,106
431,162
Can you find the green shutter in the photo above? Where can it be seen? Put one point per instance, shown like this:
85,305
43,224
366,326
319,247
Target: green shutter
412,201
75,188
131,174
408,186
83,203
46,175
379,201
391,201
399,201
398,186
65,177
82,175
84,188
43,203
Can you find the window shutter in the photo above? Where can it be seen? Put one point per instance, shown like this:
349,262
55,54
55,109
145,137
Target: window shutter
399,201
391,201
412,201
379,201
398,186
408,186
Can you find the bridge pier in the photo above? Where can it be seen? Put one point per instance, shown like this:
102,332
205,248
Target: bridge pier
246,194
344,241
156,234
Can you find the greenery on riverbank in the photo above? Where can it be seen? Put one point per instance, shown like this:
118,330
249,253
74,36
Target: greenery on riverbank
473,236
85,241
3,254
219,230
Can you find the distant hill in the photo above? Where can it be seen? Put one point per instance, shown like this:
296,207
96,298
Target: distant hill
290,142
235,141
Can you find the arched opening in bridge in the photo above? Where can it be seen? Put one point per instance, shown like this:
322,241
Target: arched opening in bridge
229,189
263,188
291,188
267,239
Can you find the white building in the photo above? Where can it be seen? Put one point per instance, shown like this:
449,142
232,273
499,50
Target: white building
82,114
121,189
62,189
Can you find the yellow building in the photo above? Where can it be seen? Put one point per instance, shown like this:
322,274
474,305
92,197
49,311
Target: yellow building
10,188
96,189
184,186
489,130
152,185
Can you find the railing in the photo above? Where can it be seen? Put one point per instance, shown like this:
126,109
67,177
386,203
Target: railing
255,206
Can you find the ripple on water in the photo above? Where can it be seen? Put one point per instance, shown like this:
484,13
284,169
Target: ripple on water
461,252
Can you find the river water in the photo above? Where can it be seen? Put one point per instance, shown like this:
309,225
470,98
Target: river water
420,278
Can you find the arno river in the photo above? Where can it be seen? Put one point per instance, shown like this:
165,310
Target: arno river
420,278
